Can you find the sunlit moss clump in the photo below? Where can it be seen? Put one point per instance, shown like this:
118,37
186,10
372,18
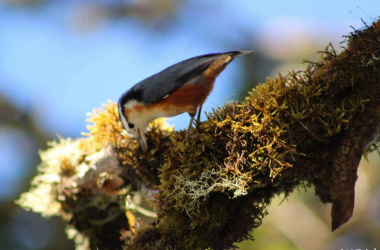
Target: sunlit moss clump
82,180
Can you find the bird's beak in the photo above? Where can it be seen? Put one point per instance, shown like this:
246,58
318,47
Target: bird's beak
142,141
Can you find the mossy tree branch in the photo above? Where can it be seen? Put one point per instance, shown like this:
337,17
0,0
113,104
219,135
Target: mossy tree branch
305,128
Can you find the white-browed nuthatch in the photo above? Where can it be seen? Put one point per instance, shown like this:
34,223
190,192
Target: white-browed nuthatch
182,87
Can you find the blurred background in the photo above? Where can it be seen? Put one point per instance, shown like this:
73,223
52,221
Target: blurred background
61,59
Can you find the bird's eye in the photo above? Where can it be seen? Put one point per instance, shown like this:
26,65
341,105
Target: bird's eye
131,125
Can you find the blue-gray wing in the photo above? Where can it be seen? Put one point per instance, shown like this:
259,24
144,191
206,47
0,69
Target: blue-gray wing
158,86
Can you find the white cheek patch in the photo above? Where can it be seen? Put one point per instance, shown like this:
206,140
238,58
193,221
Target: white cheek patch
123,121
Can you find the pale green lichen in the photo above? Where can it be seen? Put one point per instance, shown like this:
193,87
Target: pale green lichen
209,181
62,156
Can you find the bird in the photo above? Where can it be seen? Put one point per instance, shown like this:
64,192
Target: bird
182,87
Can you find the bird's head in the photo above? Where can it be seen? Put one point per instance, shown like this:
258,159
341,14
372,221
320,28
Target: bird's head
134,119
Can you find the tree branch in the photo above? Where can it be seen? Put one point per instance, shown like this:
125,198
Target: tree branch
306,128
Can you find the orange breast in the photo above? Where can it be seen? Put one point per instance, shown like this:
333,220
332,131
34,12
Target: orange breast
192,94
185,99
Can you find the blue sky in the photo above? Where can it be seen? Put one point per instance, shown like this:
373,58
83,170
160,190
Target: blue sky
59,74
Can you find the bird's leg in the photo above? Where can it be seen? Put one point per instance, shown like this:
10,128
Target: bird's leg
199,115
190,125
197,122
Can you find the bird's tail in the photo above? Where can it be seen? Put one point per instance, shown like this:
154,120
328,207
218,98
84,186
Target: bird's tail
235,54
221,63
